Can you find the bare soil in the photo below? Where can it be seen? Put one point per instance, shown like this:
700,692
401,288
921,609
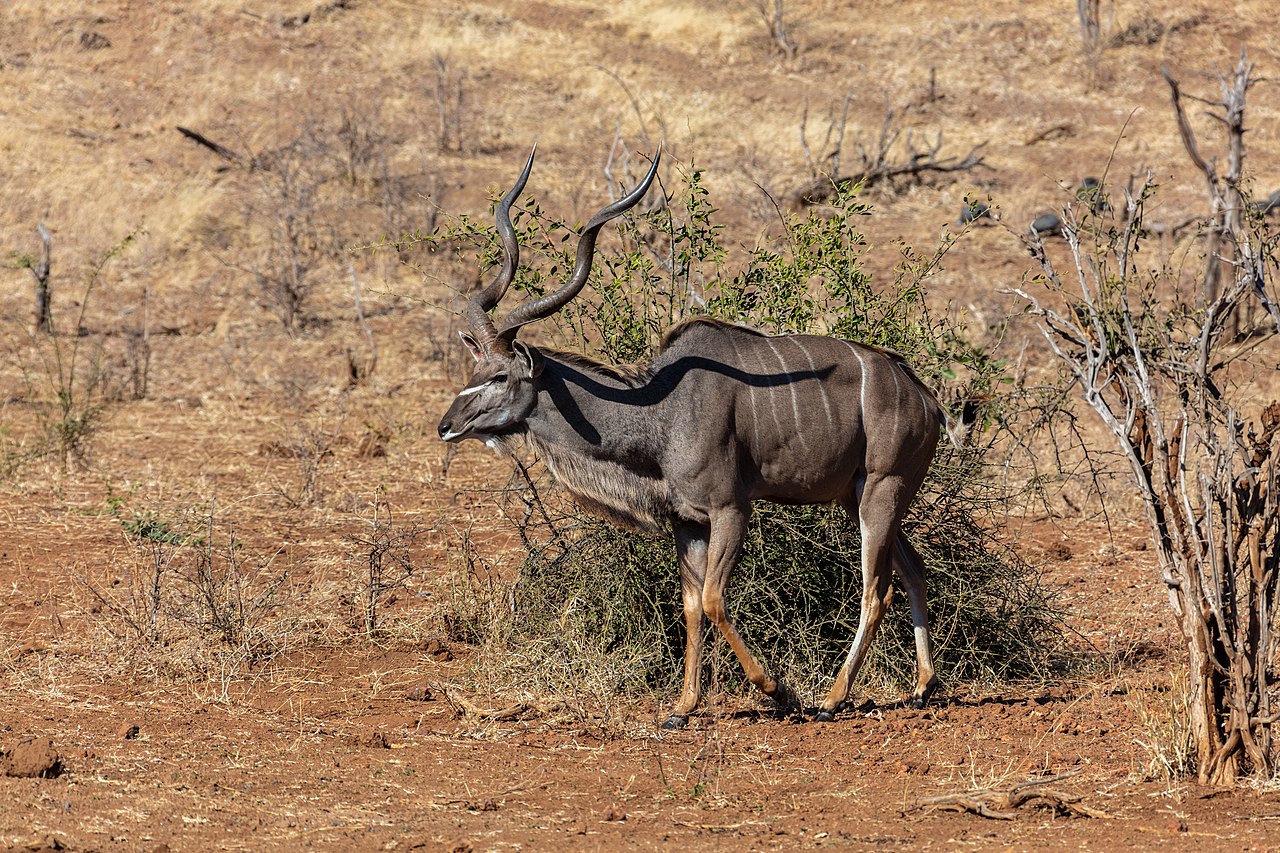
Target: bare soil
169,740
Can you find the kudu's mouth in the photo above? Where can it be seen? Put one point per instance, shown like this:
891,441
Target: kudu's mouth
449,433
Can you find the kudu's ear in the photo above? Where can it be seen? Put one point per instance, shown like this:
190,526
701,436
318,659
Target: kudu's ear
529,359
473,346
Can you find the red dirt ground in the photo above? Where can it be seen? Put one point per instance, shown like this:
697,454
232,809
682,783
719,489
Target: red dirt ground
343,743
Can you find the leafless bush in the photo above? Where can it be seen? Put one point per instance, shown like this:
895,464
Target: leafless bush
1090,26
310,444
1170,378
827,162
449,103
287,199
358,145
779,25
310,198
890,158
360,369
137,351
386,553
188,575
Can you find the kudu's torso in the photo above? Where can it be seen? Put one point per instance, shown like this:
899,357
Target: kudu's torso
724,415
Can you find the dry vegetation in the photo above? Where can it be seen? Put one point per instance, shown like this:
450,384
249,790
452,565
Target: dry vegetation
232,526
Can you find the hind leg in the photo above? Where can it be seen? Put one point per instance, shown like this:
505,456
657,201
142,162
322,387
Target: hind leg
691,550
877,509
911,570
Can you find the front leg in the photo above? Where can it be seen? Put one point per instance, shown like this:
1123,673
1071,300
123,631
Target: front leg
728,530
691,550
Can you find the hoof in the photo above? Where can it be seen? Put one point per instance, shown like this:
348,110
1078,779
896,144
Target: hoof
675,722
919,702
785,698
824,717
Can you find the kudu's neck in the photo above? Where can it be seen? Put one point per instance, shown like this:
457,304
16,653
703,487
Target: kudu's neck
601,431
598,410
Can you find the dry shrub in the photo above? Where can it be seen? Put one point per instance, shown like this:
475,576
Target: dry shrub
191,601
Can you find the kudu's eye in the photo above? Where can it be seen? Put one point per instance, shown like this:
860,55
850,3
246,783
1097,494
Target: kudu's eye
501,377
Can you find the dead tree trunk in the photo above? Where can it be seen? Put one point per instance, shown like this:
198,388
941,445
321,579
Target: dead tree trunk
40,270
1224,248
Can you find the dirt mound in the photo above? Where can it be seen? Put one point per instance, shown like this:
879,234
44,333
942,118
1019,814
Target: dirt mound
32,758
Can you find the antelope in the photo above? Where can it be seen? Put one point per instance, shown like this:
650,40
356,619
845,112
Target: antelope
722,416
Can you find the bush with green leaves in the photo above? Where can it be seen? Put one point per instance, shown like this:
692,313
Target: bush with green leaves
596,608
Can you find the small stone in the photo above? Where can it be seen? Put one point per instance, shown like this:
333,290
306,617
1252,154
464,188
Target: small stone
420,693
128,730
614,813
31,647
370,740
438,651
1058,551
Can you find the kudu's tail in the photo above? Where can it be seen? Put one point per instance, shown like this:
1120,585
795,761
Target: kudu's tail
960,428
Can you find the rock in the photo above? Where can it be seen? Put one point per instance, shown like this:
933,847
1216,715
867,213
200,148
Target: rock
438,651
33,758
1047,225
976,213
420,693
370,740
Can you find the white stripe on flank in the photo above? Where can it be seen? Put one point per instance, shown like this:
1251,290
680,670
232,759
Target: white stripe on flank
862,386
818,383
897,388
796,425
751,391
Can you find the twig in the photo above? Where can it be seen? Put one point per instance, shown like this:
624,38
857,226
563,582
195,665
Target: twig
999,805
200,139
514,711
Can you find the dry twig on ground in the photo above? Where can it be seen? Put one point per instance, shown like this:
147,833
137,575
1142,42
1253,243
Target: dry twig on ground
1000,805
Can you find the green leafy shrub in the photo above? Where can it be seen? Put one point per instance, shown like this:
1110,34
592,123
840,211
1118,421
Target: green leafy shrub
598,608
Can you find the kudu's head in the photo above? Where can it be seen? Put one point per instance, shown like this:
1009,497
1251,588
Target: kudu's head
503,388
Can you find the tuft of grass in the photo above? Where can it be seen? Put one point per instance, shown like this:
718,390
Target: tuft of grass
1162,713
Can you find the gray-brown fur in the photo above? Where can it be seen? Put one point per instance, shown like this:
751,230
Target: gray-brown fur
723,416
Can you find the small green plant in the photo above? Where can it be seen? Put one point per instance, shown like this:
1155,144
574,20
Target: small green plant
67,379
136,602
189,579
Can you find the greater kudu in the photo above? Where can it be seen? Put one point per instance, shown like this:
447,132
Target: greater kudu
722,416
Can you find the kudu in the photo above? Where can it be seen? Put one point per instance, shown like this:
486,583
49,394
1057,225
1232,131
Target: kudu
722,416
